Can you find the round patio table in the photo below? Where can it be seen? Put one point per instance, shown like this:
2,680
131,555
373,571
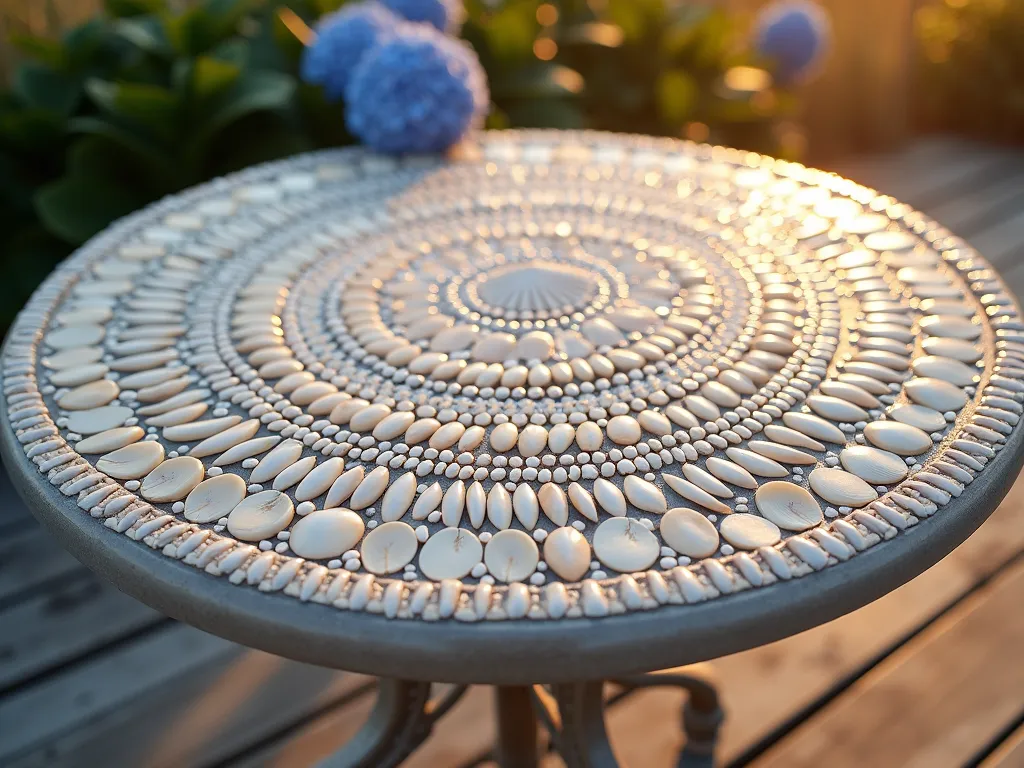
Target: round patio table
559,409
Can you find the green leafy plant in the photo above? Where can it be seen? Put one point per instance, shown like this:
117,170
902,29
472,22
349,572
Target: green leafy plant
142,101
970,56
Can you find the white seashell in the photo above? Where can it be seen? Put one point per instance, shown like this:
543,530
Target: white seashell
524,503
110,440
471,438
655,423
560,437
789,506
948,327
689,533
320,479
706,481
326,533
284,455
91,395
199,430
70,358
294,473
346,409
701,407
625,359
447,436
75,336
719,394
730,473
644,495
536,345
132,461
388,548
511,555
178,416
504,436
946,369
398,497
582,501
839,487
246,450
453,339
873,465
836,409
935,393
589,436
745,531
851,393
451,553
625,545
370,489
600,331
365,419
494,348
476,505
623,430
756,464
261,516
682,417
814,426
787,436
567,553
227,439
308,393
81,374
532,440
421,430
453,503
957,349
781,453
553,502
393,425
174,479
344,486
694,493
609,497
499,505
427,502
901,439
919,416
214,498
98,419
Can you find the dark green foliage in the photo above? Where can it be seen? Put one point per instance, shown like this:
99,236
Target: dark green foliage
141,102
971,68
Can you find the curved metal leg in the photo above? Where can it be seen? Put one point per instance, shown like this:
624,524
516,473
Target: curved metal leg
574,713
400,721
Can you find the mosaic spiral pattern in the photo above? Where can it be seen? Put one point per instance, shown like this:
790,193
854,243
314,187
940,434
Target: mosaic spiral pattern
561,375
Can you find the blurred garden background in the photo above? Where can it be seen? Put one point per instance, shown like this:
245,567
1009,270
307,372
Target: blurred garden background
107,105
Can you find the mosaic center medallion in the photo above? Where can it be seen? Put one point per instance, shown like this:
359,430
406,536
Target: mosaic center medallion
561,375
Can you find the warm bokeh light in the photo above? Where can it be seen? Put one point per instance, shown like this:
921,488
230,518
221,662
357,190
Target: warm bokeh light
547,15
545,48
747,79
696,131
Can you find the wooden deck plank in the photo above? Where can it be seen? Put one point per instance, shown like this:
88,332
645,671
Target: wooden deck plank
226,705
1009,754
928,172
1003,243
988,204
936,702
66,623
33,716
30,558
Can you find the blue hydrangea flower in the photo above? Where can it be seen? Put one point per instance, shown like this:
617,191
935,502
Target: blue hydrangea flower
443,14
342,39
418,91
794,35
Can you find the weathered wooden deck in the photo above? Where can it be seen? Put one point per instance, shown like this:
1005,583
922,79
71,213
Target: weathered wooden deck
931,675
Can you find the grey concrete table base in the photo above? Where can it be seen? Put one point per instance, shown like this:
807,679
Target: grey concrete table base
572,713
